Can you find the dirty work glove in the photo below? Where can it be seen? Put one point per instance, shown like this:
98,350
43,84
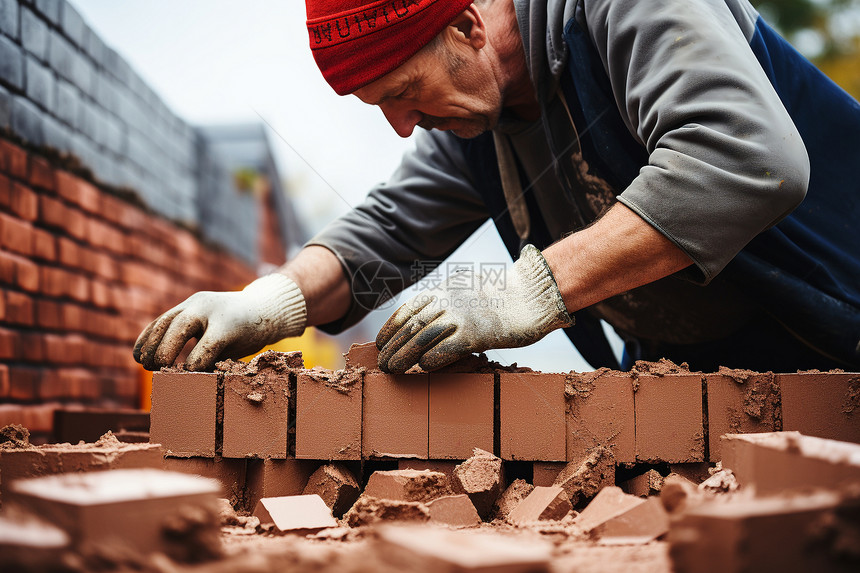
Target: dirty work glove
446,323
226,324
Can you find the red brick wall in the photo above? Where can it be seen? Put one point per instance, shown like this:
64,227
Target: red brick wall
81,273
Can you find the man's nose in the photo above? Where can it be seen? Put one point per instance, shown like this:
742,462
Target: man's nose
403,120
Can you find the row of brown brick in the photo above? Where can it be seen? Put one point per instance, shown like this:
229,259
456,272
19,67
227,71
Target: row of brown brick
353,414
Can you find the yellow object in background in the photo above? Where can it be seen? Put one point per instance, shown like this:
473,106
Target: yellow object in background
316,349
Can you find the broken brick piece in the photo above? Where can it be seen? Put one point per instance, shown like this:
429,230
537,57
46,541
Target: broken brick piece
480,477
434,549
328,414
669,424
511,498
461,414
276,478
638,525
644,485
740,402
295,513
336,485
364,355
407,485
454,510
582,480
38,461
780,461
444,466
184,409
822,404
779,533
679,493
370,510
542,504
29,544
131,510
230,472
696,473
607,504
600,413
396,411
255,416
532,415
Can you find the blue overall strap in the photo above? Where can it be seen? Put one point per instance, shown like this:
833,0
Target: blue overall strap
480,153
806,271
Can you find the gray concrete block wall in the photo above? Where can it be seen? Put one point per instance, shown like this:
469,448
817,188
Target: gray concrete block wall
62,86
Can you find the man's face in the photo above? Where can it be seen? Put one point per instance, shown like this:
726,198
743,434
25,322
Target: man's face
440,87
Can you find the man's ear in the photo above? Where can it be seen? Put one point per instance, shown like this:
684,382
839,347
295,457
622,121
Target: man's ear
469,28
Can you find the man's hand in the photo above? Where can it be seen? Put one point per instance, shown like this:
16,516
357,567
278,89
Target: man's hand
226,324
444,324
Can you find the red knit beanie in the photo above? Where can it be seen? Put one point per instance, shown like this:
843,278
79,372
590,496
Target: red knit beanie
356,42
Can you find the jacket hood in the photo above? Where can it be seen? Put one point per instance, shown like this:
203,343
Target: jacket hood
541,26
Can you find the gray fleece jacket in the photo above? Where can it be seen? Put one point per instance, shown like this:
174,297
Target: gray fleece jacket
725,163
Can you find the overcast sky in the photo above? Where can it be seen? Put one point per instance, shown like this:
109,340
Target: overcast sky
217,61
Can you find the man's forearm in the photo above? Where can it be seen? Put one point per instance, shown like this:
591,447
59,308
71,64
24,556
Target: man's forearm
619,252
319,275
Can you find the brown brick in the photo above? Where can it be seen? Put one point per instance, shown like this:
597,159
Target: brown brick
5,192
7,268
23,383
255,416
37,419
740,402
41,174
74,317
104,236
822,404
764,534
328,415
543,503
31,347
78,192
532,411
104,266
669,424
49,314
44,245
102,294
461,414
9,340
19,271
19,309
275,478
16,235
54,213
600,414
53,281
231,473
27,275
362,356
545,473
25,202
401,402
184,412
786,461
69,253
13,160
5,384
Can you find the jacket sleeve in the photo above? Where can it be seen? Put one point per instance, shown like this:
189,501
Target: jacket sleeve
725,159
405,227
